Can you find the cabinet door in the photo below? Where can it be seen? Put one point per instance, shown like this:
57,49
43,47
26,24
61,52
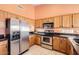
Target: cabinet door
38,39
75,20
45,20
63,45
69,49
31,40
58,21
67,21
3,49
41,23
38,23
1,15
51,19
56,43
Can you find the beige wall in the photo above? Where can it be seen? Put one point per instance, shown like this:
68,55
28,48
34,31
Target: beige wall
50,10
27,10
41,11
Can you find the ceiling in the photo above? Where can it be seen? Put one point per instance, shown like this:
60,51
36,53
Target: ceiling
36,4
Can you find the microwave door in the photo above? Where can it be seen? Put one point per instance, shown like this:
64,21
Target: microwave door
48,25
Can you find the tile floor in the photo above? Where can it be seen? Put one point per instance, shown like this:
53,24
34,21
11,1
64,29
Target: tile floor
38,50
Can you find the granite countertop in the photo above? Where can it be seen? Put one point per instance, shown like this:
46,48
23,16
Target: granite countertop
2,38
56,33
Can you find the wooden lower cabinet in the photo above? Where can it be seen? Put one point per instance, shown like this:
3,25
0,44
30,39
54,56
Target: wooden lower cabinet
59,44
38,39
69,47
31,40
3,48
34,39
62,44
56,43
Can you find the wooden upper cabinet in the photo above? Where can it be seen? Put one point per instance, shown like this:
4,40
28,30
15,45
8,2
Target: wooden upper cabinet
38,23
75,20
58,21
51,19
67,21
45,20
1,15
5,15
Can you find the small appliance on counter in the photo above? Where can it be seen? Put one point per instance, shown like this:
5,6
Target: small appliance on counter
17,33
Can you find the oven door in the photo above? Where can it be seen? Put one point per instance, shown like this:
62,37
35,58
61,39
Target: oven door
46,40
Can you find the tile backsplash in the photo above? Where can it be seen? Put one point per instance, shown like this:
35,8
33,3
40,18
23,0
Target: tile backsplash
67,30
61,30
40,30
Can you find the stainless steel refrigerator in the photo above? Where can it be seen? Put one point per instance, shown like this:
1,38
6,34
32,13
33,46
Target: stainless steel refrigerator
17,35
24,36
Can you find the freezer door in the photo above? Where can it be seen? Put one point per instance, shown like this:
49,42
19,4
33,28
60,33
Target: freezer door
14,36
24,36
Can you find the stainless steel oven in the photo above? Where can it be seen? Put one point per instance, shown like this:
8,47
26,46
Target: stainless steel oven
46,42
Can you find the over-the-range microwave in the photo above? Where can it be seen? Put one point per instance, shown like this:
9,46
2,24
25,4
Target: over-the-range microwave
48,25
